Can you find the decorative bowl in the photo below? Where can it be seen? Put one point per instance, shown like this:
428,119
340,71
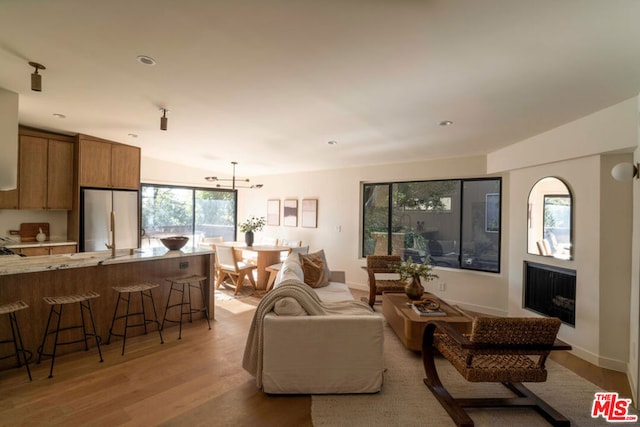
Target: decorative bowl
174,243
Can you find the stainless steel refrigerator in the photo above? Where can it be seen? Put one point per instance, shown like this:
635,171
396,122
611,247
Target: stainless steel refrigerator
95,219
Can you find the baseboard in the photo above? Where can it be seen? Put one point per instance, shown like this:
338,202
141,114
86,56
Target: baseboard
597,360
476,308
358,286
634,388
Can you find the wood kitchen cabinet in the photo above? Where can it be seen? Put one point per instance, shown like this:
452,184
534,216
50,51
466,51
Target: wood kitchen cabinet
105,164
46,250
45,173
9,199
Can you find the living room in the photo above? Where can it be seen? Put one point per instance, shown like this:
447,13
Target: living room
580,144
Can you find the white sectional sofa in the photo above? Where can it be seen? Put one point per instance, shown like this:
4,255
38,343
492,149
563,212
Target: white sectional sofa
320,354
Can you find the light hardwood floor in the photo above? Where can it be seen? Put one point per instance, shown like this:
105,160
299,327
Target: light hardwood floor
196,381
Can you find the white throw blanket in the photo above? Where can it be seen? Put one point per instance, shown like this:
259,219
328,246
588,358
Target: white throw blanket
308,299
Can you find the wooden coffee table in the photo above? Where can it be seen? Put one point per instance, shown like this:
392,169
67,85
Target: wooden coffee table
409,326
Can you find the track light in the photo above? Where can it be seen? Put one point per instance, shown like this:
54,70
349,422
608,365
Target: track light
164,120
36,79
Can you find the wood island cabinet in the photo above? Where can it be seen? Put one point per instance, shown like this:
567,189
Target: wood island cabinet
104,164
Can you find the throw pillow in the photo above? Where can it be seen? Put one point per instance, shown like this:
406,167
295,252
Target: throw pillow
314,275
318,256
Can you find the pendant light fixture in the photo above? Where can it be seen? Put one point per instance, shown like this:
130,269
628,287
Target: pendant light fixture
36,79
233,180
164,121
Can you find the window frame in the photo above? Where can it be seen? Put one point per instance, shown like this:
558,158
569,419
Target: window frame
461,182
193,190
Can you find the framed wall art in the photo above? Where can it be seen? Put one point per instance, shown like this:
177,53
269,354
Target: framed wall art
273,212
290,213
309,215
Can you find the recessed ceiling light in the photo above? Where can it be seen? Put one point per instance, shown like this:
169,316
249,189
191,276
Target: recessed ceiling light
146,60
446,123
59,116
132,135
332,142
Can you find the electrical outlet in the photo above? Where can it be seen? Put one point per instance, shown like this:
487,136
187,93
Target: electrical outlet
184,264
441,286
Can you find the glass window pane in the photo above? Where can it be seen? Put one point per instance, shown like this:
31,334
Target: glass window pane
426,221
215,214
481,225
557,223
166,211
375,219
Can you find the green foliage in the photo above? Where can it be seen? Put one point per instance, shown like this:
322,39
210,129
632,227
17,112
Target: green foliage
253,224
165,207
423,195
408,269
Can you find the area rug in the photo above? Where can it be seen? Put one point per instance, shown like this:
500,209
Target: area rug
226,293
406,401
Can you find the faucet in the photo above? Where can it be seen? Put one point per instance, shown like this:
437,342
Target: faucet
112,230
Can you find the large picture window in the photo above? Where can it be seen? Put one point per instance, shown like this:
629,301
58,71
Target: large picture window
194,212
456,223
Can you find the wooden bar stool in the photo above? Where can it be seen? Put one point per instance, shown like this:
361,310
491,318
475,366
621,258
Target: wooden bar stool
124,294
178,285
57,303
18,346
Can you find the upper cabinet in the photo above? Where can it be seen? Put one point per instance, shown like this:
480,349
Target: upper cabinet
45,173
106,164
60,174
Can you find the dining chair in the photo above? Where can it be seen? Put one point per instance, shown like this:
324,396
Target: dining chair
291,244
227,264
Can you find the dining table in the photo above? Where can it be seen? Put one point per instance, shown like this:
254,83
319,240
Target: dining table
266,255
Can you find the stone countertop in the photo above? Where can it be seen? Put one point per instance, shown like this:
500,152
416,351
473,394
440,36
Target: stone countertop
46,243
13,264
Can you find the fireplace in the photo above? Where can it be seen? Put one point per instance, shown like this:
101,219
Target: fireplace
550,291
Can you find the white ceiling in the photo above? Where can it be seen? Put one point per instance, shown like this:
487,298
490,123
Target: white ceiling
269,82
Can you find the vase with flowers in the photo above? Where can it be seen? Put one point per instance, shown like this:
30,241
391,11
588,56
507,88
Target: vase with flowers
415,271
249,226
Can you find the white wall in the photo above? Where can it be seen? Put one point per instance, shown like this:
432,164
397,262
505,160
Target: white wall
10,219
608,130
606,236
8,140
601,255
634,315
338,194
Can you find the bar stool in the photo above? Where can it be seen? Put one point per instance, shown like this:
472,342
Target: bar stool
11,309
124,294
178,285
57,303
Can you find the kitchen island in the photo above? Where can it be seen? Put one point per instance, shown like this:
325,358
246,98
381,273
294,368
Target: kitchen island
32,278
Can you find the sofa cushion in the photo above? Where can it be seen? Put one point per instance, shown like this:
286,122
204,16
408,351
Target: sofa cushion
314,274
288,306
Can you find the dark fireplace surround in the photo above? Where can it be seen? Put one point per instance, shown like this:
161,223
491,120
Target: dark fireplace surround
550,291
